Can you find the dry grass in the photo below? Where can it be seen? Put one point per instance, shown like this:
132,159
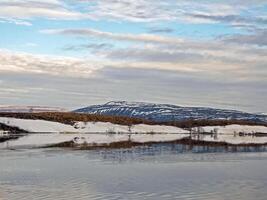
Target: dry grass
199,123
71,118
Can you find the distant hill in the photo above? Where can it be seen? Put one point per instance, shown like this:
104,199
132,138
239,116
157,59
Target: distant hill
169,113
29,109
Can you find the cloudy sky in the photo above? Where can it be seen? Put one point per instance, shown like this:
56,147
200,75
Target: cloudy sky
73,53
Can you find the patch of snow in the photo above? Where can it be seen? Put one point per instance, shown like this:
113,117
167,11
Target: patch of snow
143,128
37,125
103,127
85,127
99,127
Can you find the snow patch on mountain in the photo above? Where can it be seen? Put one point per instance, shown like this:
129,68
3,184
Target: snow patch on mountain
166,112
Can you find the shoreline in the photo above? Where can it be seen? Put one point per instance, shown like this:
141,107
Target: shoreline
91,141
131,144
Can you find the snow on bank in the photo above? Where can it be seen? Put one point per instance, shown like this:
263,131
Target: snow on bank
85,127
102,127
143,128
235,129
36,125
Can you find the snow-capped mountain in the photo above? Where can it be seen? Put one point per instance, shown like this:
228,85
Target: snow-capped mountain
166,112
28,109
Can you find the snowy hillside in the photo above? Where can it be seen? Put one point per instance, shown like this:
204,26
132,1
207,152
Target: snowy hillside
166,112
85,127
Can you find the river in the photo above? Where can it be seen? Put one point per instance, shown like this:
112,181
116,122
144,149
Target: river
156,173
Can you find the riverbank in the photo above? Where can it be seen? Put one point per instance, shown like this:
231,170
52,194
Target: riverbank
95,141
131,144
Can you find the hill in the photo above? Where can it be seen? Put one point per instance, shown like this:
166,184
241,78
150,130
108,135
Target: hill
169,113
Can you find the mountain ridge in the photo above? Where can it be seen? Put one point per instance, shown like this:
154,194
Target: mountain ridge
168,112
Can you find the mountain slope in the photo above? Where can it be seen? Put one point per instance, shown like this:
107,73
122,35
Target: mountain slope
166,112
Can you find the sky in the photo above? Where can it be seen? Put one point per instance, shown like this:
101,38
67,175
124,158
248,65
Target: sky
75,53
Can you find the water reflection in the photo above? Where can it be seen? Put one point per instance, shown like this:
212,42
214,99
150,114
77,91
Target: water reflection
44,139
159,172
160,151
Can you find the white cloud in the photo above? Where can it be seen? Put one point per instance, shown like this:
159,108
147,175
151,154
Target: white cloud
17,62
259,38
28,9
216,57
15,21
149,38
185,11
140,11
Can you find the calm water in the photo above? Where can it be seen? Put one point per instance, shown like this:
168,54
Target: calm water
142,173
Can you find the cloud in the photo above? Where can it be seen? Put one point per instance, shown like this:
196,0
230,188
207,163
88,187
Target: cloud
28,9
215,57
17,62
15,21
157,86
152,10
184,11
93,47
259,38
235,20
235,65
161,30
149,38
155,54
137,11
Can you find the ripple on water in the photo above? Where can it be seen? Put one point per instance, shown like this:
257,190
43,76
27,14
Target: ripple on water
131,174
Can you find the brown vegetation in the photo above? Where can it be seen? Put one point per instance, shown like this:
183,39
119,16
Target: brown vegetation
71,118
186,124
